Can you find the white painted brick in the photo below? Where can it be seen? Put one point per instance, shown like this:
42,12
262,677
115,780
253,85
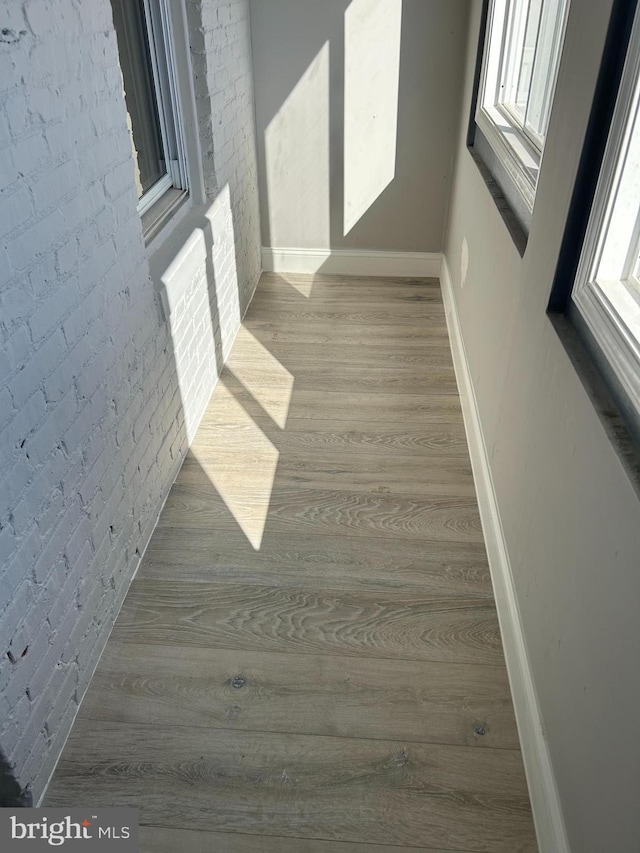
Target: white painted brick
61,137
16,301
20,711
119,181
23,673
53,548
17,116
93,373
15,434
87,312
29,764
19,343
105,222
93,509
12,483
44,763
64,375
74,215
7,544
7,407
61,589
45,104
49,315
6,364
18,209
43,277
45,482
115,377
49,515
5,131
38,713
65,701
43,441
30,375
79,542
46,232
20,518
57,183
78,623
100,438
29,155
5,708
67,256
13,613
84,420
20,567
45,16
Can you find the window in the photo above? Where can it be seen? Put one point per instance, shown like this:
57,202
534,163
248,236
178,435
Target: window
521,56
606,293
143,30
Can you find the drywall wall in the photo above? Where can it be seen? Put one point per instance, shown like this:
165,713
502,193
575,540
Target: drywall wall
570,515
381,179
104,373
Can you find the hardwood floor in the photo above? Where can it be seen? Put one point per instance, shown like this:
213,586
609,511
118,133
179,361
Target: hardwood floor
309,660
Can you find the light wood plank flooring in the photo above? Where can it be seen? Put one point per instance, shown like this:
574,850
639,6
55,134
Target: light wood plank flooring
309,659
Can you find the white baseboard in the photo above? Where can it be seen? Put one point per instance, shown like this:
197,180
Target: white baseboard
545,802
352,262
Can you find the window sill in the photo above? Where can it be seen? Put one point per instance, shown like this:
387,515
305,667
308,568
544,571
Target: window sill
516,156
608,317
175,259
158,215
511,218
601,387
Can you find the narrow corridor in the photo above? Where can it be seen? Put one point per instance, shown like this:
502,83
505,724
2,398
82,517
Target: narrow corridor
309,658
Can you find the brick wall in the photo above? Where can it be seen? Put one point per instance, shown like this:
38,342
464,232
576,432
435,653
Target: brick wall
223,79
99,389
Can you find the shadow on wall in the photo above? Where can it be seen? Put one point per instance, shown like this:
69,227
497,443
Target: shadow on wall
11,795
202,301
346,94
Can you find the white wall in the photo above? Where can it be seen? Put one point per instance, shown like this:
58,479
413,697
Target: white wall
385,175
570,516
104,373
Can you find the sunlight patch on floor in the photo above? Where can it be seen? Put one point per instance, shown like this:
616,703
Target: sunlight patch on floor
304,288
243,477
263,376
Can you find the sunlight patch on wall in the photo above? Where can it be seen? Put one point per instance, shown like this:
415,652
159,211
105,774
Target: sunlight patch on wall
297,161
186,304
243,476
372,73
